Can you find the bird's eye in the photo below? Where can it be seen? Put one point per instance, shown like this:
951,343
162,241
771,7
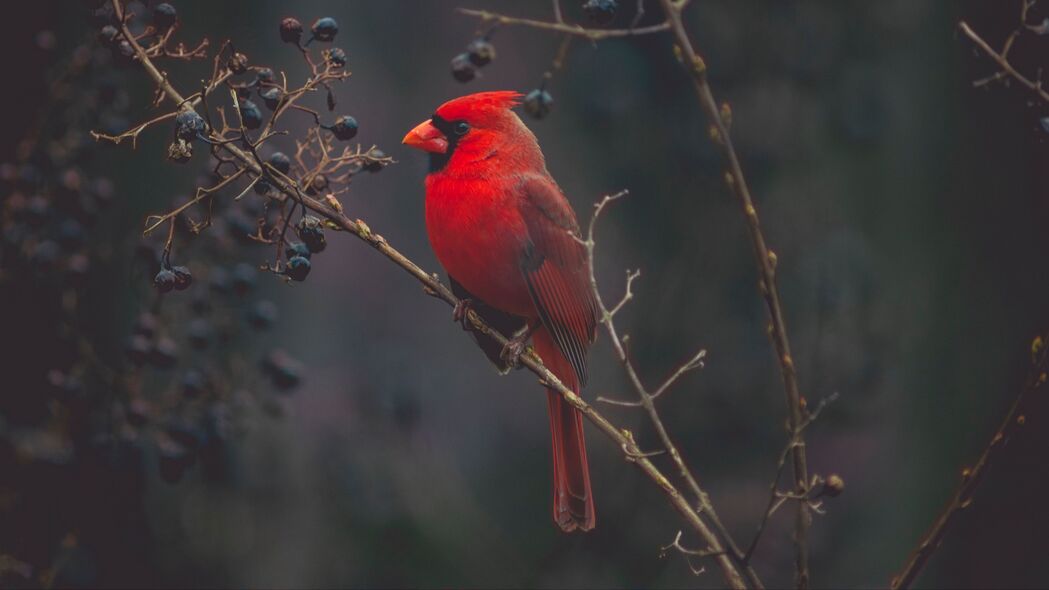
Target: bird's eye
461,128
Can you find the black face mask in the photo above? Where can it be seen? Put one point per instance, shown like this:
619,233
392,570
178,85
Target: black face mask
453,131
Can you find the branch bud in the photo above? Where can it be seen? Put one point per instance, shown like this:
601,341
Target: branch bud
333,202
726,114
833,486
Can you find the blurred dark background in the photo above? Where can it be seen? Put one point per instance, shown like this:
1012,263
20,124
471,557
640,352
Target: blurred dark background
908,210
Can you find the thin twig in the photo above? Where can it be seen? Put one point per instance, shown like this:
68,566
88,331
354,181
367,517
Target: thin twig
767,279
561,27
646,399
676,544
1003,63
776,498
971,476
638,14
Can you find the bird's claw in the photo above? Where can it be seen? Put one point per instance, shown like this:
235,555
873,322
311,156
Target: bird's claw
461,311
513,349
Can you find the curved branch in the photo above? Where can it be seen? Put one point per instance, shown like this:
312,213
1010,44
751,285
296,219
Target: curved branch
1003,62
432,285
765,259
971,476
561,27
646,399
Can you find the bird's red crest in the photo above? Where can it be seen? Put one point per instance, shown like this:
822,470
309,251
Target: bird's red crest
480,104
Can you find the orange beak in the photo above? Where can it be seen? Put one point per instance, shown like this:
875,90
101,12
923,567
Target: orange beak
426,137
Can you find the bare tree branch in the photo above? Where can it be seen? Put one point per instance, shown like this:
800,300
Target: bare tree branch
647,399
1007,68
971,476
767,279
432,286
562,27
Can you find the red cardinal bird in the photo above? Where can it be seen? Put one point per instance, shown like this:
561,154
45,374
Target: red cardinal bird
500,226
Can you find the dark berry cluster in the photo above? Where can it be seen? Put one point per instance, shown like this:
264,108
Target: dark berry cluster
479,53
173,277
117,373
299,254
109,376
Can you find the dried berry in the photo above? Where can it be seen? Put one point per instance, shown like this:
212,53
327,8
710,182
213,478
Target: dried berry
336,57
70,234
250,114
291,30
165,280
325,29
281,162
538,103
481,52
138,349
218,280
262,187
345,128
238,63
271,97
600,12
463,68
137,412
311,233
183,278
298,268
297,249
108,35
244,276
123,49
146,324
164,353
200,304
200,333
318,184
78,268
173,461
164,16
263,314
193,383
375,163
282,369
46,254
189,125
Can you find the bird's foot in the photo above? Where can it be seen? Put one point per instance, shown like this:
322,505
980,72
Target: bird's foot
516,346
512,352
461,311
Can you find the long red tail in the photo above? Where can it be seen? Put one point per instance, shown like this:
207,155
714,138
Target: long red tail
573,500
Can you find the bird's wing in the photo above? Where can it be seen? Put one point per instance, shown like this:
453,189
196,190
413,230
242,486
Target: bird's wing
555,268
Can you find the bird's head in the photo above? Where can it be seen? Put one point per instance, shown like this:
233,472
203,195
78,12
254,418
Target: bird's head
473,128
